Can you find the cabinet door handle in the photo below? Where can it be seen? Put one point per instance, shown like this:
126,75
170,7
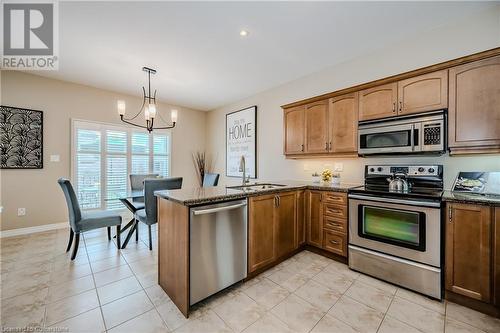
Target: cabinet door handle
334,242
400,106
326,145
330,145
279,200
275,201
450,217
302,147
394,107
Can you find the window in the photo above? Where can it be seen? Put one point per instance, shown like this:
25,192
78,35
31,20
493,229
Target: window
104,155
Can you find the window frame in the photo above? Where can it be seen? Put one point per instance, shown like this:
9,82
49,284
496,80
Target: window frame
103,127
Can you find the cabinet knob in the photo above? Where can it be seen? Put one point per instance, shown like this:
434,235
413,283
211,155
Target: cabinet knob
400,106
334,242
394,107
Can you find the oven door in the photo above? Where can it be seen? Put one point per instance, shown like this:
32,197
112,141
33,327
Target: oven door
404,228
387,139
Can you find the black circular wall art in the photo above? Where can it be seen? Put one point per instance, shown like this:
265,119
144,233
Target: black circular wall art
21,138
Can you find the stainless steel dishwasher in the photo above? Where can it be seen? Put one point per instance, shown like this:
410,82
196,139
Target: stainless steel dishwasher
218,247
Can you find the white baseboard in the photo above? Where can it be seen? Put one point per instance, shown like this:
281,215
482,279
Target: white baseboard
31,230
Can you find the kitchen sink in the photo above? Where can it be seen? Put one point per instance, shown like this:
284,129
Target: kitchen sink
256,187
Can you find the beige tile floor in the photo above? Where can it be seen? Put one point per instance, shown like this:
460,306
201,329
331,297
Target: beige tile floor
116,291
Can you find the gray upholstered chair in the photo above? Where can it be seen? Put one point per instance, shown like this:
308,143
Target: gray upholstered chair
85,221
148,215
210,179
137,184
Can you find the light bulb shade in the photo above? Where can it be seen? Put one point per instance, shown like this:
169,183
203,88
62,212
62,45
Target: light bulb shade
152,110
146,113
173,116
120,105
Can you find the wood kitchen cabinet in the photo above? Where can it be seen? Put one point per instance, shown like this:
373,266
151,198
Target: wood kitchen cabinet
343,123
378,102
474,107
496,258
468,250
422,93
314,218
261,231
301,217
294,130
272,228
316,127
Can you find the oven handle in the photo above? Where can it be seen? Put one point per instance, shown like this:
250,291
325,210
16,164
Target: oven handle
397,201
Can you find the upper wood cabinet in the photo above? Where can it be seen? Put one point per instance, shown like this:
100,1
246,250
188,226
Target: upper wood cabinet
343,123
423,93
378,102
294,130
474,107
261,231
314,218
317,127
468,250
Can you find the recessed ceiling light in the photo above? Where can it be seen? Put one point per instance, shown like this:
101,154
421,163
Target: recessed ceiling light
243,33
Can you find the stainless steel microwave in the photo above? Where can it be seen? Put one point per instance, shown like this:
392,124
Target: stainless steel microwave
412,134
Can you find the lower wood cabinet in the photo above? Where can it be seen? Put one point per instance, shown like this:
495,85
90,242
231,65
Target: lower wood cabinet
314,218
327,221
272,228
301,217
468,262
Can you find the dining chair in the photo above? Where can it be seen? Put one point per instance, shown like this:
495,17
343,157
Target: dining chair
137,184
210,179
80,222
148,215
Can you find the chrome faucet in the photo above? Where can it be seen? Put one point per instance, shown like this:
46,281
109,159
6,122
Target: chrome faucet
243,169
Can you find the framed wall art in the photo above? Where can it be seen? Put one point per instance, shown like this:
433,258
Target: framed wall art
21,138
241,140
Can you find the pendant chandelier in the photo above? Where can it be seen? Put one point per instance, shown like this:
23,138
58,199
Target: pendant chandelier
148,109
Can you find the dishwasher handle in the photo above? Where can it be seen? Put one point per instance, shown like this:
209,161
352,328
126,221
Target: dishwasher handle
218,209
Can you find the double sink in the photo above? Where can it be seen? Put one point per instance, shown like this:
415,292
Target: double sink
255,187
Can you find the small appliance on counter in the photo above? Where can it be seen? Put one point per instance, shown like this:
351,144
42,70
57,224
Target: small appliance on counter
412,134
395,226
482,183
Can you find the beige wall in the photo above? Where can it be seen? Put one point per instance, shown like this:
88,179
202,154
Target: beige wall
468,36
37,190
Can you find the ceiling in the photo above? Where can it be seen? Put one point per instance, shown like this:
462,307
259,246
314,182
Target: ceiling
201,59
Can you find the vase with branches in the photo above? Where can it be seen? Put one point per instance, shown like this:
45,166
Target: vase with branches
203,164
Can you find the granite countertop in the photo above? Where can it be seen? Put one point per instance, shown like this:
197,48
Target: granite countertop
206,195
474,198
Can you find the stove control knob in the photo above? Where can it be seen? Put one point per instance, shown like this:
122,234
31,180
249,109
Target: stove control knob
431,170
372,169
420,169
379,169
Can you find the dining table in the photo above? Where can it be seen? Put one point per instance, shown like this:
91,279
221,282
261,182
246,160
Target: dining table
128,199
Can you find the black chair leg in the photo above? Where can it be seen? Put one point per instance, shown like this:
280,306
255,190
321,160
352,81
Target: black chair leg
129,235
75,247
150,241
109,233
137,232
71,234
118,240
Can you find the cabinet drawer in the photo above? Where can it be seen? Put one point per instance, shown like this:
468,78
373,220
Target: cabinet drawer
335,242
335,198
335,211
335,224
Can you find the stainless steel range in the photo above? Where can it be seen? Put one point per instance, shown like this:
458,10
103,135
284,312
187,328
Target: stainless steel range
395,232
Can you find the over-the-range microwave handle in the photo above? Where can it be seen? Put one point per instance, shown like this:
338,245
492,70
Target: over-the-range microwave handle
397,201
218,209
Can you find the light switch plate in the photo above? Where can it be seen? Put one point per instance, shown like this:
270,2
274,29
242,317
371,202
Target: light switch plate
55,158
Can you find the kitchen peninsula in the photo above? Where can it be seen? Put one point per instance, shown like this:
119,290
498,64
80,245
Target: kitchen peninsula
282,217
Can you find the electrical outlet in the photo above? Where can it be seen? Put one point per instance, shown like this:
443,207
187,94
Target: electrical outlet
338,167
21,211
